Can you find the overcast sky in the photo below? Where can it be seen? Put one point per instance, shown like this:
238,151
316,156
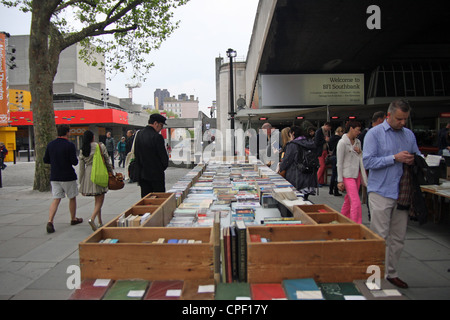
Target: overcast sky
185,63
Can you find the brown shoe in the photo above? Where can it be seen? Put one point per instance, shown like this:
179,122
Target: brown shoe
398,283
76,221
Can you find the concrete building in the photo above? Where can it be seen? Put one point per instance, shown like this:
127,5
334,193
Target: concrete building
183,106
159,96
223,90
299,50
81,98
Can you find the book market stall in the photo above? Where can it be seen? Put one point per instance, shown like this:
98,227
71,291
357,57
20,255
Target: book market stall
231,228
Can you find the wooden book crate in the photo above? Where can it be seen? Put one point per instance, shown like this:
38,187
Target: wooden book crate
319,214
327,253
303,217
155,220
329,218
160,205
315,208
136,256
168,205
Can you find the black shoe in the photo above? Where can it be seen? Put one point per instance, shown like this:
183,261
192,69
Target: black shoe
330,192
398,282
337,194
50,228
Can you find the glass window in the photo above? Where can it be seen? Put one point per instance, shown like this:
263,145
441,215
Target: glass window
390,84
419,85
409,84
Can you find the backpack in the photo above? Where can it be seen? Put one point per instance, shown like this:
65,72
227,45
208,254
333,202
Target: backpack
307,161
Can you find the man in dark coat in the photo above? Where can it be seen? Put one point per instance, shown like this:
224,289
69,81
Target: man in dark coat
151,156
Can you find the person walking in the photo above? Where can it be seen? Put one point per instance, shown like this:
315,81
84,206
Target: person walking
87,187
61,155
151,156
304,180
121,148
387,148
321,139
351,171
110,146
333,160
3,153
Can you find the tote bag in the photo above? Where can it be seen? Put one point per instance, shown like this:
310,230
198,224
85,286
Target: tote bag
99,173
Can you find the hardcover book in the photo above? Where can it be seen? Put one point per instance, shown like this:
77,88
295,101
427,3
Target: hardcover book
340,291
198,290
268,291
233,291
302,289
126,290
90,290
241,232
164,290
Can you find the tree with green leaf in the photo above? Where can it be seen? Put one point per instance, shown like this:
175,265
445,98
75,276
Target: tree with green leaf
124,31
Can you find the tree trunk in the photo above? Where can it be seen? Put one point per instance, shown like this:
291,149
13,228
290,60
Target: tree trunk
42,73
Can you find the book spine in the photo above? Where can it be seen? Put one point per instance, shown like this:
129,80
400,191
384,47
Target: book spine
242,250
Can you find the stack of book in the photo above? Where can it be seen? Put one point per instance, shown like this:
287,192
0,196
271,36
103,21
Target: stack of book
233,248
181,187
247,215
132,220
183,217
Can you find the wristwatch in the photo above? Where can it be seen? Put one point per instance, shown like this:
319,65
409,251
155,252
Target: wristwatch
393,157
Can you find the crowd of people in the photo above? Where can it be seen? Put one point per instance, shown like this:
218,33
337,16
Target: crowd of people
62,157
379,157
376,157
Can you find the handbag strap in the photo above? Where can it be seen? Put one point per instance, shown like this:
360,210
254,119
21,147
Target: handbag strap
134,140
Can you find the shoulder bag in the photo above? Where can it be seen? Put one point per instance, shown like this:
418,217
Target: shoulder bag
130,163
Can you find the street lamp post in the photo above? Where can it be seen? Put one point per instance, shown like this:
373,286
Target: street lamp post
231,54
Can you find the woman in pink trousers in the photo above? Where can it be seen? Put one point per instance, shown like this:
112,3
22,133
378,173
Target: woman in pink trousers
351,172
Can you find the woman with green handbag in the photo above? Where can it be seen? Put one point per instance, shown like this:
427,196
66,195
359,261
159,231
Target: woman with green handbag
93,174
